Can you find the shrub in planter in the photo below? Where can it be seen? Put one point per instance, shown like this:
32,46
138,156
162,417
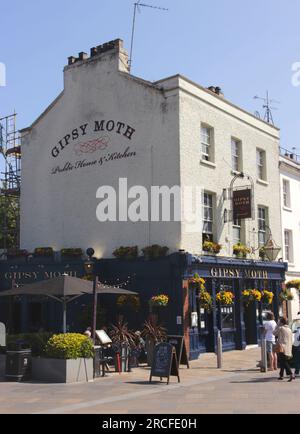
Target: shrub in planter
211,247
286,295
153,334
45,252
126,252
161,300
155,251
131,301
69,346
123,339
71,253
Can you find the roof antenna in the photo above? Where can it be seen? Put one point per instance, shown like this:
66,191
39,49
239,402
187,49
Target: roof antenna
268,107
137,7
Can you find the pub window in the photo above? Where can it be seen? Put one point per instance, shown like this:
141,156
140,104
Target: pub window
286,193
261,164
237,231
262,225
208,216
288,246
236,148
207,139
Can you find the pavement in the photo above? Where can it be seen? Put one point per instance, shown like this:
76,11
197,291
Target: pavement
238,388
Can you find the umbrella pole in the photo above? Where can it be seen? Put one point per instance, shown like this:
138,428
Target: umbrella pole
64,316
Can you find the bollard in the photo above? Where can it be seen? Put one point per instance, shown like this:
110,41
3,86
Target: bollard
264,358
219,350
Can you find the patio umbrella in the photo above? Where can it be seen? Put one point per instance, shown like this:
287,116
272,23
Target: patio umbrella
64,289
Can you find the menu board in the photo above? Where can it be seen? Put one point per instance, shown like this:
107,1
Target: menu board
164,362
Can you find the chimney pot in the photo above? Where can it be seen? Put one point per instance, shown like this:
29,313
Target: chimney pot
71,60
83,56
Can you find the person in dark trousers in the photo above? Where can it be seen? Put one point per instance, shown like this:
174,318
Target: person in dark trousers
284,342
296,351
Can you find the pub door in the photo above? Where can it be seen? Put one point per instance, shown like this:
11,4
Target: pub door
250,318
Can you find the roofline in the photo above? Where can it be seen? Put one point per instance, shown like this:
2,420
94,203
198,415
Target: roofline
24,130
216,96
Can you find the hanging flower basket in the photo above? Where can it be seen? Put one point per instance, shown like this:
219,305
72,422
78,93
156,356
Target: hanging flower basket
161,300
286,295
205,300
225,298
131,301
267,297
251,296
293,284
197,283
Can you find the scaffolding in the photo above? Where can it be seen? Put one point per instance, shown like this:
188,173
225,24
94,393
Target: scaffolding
10,151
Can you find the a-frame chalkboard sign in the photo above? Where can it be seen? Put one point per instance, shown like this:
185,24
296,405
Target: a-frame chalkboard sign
179,343
165,363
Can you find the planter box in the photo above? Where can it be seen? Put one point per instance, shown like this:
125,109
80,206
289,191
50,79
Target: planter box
2,365
62,371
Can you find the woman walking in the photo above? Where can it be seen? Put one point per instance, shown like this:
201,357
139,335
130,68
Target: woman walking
284,348
296,351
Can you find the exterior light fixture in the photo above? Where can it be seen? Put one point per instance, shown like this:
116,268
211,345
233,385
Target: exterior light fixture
272,250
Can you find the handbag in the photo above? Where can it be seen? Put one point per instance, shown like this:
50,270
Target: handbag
278,348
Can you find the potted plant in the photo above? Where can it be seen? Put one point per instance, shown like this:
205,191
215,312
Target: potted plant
68,358
225,298
251,296
211,247
267,297
126,252
240,250
293,284
71,255
155,251
153,334
161,300
123,340
17,256
43,254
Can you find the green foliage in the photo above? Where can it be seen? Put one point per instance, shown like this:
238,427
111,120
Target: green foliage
155,251
36,341
126,252
44,251
72,252
69,346
11,209
211,247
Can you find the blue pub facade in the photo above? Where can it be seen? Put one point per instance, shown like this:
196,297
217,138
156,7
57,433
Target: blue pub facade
169,275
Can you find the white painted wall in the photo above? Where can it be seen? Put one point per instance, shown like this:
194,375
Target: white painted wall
59,209
290,171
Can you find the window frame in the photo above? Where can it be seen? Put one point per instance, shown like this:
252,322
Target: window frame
208,205
286,193
288,246
236,153
207,142
262,227
261,164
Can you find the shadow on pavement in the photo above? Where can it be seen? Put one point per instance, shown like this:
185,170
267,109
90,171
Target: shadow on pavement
257,380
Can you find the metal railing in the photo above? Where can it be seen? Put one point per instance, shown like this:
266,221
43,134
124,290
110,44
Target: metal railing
290,155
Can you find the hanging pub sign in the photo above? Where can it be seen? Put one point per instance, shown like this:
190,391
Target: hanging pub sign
242,204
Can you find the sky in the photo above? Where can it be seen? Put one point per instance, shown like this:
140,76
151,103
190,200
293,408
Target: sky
246,47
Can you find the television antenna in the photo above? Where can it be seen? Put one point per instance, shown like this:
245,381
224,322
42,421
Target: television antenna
268,107
137,8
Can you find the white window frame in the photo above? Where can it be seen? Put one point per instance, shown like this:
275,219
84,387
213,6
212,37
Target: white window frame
207,142
262,223
286,193
288,246
261,164
208,210
236,154
237,227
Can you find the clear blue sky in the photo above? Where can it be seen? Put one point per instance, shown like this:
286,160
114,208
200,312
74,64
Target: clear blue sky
244,46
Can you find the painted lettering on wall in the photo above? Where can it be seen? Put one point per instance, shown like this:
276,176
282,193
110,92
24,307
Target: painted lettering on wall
119,128
23,276
235,273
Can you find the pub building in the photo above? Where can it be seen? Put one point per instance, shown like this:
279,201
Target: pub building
108,125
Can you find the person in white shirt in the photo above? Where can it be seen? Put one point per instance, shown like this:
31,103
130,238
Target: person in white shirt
269,326
296,351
